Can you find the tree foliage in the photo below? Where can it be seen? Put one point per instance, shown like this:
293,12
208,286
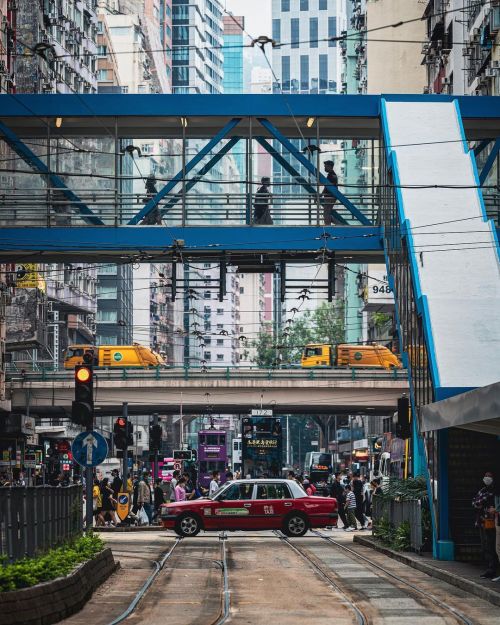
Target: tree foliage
325,324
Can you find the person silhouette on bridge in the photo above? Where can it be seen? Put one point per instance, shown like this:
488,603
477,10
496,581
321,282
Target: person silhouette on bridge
262,214
153,218
328,200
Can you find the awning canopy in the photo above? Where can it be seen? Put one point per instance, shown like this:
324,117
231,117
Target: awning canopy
477,410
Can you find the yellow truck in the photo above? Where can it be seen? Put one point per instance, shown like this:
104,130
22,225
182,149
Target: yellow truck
113,356
345,355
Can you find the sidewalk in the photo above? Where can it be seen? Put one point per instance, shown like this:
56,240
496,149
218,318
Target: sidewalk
464,575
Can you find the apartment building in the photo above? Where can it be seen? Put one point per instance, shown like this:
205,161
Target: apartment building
57,41
462,52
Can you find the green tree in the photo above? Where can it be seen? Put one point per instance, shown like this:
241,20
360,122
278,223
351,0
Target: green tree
325,324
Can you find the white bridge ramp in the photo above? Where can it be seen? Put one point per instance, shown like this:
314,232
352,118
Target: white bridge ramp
455,253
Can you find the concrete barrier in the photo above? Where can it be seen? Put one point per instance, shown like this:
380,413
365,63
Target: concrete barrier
52,601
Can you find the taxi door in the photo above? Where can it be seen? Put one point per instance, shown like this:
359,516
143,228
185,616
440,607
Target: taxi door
273,501
234,508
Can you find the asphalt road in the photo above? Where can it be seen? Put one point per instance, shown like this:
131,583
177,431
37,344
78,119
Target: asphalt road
270,581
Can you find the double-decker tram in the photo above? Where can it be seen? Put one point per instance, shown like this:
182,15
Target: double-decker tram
262,446
212,455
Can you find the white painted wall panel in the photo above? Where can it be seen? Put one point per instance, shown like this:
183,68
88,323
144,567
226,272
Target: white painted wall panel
458,263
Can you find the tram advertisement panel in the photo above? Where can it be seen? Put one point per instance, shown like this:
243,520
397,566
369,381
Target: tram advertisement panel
262,445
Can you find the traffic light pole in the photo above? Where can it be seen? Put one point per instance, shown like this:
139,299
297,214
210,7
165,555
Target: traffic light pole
125,451
155,463
89,488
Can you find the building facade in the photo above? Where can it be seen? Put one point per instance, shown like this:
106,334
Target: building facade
56,46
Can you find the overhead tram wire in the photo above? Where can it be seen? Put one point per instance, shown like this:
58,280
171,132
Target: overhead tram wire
356,36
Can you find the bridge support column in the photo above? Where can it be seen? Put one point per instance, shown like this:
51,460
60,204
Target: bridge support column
444,547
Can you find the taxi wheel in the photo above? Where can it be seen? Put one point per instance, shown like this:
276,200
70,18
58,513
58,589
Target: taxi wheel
187,525
295,525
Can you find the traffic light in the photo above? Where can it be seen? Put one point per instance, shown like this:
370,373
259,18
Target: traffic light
404,418
155,436
82,409
130,434
183,454
120,433
194,455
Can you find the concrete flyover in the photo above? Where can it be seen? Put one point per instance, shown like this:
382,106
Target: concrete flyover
319,391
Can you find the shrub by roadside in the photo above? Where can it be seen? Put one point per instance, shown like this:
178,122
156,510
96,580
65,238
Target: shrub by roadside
50,565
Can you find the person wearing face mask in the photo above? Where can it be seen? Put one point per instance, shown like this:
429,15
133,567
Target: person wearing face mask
484,505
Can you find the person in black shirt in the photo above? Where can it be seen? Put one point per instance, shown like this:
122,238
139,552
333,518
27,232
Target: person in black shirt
337,492
328,200
357,489
116,484
262,215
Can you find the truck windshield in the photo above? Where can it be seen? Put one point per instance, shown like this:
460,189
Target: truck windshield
312,351
71,352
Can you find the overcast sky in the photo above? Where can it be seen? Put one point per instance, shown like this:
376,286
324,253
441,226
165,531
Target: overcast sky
257,15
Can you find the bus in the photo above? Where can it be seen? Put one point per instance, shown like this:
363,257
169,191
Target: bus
318,466
212,455
236,455
262,447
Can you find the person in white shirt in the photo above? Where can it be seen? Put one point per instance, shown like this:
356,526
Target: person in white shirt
214,484
173,484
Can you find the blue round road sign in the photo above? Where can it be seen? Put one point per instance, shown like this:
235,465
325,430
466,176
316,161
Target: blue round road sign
89,449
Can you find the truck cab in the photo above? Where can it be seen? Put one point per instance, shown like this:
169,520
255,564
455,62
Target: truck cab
317,355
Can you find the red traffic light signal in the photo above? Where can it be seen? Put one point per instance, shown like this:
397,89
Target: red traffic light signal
120,433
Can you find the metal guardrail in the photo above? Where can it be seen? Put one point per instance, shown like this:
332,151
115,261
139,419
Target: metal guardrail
47,207
226,373
34,518
397,512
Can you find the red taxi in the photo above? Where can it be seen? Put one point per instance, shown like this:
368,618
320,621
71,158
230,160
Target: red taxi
263,504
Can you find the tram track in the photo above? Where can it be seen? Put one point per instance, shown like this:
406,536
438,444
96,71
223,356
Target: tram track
159,565
360,617
354,555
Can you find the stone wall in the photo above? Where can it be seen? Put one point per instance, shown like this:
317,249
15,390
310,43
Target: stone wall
53,601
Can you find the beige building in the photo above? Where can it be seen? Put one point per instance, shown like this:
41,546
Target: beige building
394,65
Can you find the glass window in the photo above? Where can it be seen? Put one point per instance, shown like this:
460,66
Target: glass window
323,72
273,490
304,72
107,292
332,31
220,356
323,5
276,30
212,439
313,32
294,29
107,316
236,492
285,5
285,73
107,269
312,351
102,51
304,5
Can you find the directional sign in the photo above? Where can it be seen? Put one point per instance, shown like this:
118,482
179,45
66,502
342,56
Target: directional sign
123,505
89,449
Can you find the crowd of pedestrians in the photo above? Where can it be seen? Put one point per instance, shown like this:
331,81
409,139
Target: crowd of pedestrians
353,494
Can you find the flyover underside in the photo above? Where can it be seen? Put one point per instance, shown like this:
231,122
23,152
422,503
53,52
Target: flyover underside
252,245
293,396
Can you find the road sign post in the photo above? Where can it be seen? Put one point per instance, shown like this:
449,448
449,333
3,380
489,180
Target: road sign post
125,452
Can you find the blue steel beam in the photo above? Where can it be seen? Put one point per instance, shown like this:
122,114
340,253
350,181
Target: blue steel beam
94,243
156,105
294,173
480,147
312,170
154,201
203,171
38,165
489,162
